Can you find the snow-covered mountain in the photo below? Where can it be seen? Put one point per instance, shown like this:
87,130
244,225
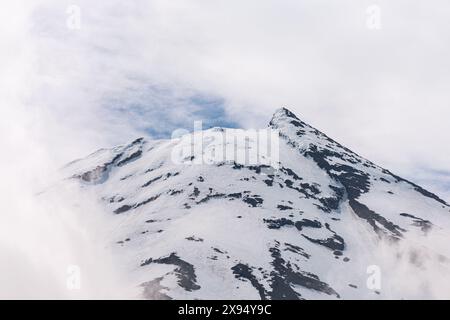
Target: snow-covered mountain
314,227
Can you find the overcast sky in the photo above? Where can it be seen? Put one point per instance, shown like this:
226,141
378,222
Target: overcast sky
374,75
81,75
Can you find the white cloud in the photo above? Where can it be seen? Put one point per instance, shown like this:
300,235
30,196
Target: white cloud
383,93
389,87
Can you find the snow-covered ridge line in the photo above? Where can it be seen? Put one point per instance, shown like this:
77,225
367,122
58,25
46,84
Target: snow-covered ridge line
230,229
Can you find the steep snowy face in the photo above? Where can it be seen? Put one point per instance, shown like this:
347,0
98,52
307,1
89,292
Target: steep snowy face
309,226
359,177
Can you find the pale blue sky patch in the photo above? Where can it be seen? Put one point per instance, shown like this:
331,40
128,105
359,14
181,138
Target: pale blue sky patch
159,110
436,181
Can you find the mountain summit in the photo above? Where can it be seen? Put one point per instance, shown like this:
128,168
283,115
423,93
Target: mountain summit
325,223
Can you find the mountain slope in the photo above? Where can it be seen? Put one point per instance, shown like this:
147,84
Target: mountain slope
308,229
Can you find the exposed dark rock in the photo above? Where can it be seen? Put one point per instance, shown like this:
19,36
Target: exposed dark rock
218,250
355,181
313,189
116,199
283,207
243,271
424,225
184,271
132,157
284,276
172,192
297,123
151,199
193,238
307,223
333,203
374,219
153,169
211,196
195,193
126,177
335,243
100,173
166,176
296,249
291,173
260,168
419,189
253,201
151,181
122,209
235,195
278,223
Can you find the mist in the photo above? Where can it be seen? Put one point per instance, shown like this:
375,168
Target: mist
50,246
67,90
